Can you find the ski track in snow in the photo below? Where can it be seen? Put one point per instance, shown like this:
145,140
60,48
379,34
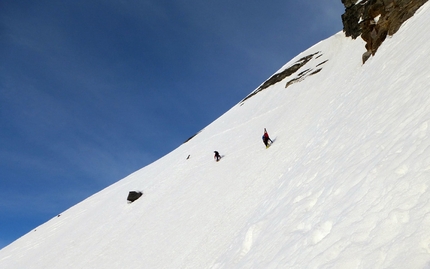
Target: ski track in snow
345,184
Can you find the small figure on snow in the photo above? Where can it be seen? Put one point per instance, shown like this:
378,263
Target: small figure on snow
266,139
217,157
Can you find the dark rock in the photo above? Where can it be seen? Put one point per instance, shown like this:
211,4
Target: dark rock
366,56
133,196
373,20
278,77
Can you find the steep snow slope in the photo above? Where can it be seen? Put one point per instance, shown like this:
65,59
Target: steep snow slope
345,184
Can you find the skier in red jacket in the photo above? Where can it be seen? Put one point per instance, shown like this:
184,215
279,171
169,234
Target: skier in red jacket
266,139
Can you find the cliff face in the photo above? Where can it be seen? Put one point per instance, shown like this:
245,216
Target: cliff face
375,19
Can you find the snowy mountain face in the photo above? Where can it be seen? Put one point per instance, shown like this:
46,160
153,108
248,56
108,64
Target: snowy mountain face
344,185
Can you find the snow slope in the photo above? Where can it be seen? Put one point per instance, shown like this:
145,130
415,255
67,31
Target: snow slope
345,184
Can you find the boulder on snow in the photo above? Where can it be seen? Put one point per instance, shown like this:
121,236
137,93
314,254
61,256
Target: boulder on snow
133,196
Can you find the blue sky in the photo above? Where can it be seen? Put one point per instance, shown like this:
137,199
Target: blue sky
91,91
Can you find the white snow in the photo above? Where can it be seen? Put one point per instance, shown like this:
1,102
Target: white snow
345,184
376,19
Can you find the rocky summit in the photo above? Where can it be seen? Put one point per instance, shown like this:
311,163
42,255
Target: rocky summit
373,20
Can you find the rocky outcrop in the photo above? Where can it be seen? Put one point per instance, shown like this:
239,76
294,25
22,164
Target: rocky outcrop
373,20
312,63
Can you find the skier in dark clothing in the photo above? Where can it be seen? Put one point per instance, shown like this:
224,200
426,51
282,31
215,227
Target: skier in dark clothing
266,139
217,156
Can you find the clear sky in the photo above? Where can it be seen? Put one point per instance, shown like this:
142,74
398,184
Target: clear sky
91,91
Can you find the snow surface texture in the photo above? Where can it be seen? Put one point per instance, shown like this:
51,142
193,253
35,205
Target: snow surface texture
345,184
